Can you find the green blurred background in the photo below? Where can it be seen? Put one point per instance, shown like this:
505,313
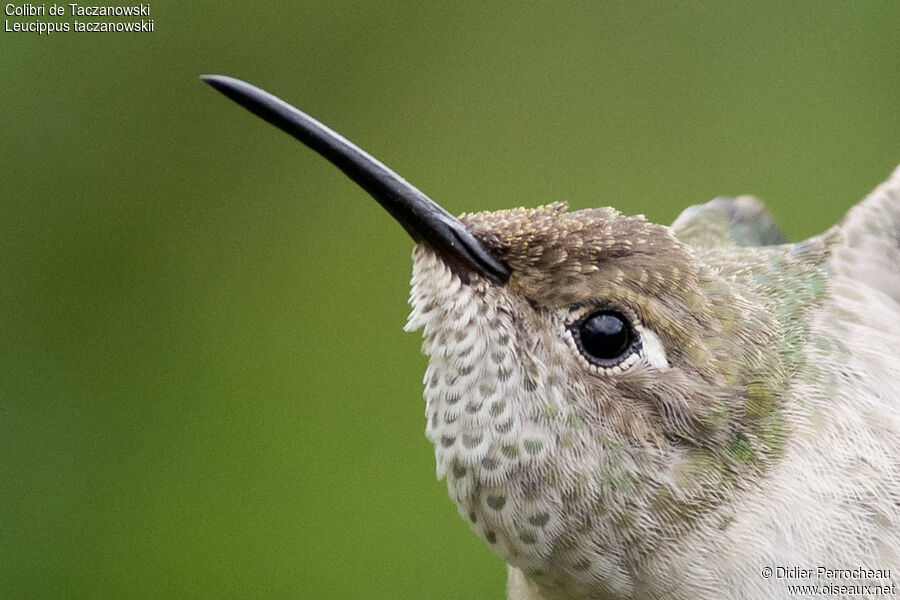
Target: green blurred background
204,387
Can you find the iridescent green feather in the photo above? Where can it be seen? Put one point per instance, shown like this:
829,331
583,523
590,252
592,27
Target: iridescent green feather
739,221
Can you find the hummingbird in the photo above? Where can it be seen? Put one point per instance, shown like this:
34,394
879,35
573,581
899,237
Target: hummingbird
626,410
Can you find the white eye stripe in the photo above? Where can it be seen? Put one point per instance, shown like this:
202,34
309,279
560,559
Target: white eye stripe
653,349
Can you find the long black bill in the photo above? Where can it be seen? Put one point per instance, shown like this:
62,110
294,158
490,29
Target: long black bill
421,216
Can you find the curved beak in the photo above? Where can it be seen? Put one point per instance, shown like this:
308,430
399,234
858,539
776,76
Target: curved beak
421,216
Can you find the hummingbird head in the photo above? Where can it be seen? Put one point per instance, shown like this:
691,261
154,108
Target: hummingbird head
612,396
596,392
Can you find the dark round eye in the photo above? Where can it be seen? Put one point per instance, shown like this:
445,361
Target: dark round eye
605,336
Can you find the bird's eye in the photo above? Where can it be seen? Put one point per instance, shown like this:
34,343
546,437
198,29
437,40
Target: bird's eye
605,338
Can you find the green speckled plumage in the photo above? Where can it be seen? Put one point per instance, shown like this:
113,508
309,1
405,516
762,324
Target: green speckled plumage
748,419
